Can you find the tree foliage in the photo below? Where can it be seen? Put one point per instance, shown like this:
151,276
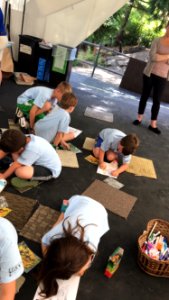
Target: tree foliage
137,22
159,10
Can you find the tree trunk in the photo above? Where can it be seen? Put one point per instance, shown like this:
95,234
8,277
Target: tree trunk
119,37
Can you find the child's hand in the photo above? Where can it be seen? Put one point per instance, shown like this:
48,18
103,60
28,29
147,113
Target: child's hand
65,145
102,165
31,131
2,176
115,173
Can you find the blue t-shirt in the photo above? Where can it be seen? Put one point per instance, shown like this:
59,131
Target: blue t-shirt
57,120
2,26
40,94
111,139
39,152
11,266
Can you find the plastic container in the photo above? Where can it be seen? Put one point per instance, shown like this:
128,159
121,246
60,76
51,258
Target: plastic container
3,184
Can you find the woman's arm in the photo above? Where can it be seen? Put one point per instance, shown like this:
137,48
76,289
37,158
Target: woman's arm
154,55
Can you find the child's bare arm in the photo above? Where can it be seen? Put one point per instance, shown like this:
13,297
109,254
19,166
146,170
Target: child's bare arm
32,115
61,217
2,154
121,169
58,138
102,164
15,165
44,247
45,108
8,290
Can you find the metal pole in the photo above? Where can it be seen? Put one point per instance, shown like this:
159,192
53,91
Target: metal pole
96,60
6,12
23,16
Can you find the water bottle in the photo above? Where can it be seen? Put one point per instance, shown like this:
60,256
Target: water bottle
3,184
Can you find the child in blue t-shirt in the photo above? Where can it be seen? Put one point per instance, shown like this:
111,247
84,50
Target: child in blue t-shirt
37,101
55,126
117,146
33,157
11,267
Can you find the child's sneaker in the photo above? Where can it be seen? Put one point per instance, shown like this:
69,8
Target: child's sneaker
18,113
23,123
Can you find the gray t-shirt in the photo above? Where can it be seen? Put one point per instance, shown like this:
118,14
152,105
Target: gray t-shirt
11,266
40,94
39,152
111,138
57,120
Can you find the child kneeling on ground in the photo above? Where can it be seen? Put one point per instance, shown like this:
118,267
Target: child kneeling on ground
117,146
37,101
55,126
33,157
70,247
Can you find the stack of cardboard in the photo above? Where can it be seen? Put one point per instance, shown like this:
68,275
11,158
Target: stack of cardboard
24,78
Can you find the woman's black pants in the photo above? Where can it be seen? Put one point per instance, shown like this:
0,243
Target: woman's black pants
156,84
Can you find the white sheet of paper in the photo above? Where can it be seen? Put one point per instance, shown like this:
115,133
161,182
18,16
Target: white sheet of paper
75,131
114,183
109,168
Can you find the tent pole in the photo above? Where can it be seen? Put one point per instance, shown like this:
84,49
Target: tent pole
6,11
23,16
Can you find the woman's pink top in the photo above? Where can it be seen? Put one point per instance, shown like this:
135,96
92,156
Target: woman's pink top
161,68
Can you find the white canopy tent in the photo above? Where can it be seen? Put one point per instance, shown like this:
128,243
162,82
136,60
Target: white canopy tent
66,22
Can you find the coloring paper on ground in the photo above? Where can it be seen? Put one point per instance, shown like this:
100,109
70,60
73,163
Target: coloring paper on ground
72,148
93,160
142,167
68,158
4,211
110,167
118,202
41,222
99,113
89,144
114,183
75,131
29,258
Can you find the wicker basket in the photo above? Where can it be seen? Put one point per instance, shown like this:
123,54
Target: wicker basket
159,268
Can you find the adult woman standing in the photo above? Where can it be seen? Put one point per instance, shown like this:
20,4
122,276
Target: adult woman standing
3,40
155,76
